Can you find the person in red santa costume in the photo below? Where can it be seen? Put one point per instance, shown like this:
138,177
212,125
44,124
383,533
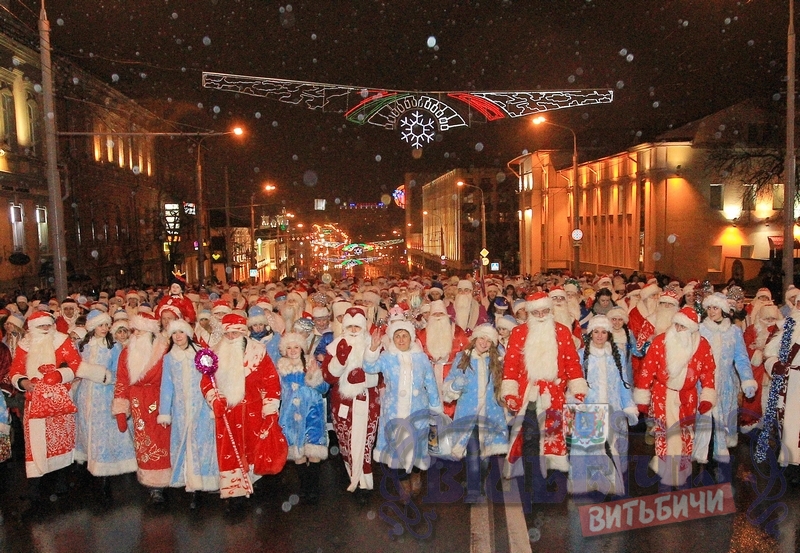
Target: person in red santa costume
45,365
354,400
442,340
136,395
677,360
768,324
567,314
541,363
641,317
245,396
177,298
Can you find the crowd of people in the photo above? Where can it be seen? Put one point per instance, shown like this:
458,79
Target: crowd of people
209,389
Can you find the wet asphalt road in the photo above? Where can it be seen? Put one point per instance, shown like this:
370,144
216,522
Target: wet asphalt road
85,520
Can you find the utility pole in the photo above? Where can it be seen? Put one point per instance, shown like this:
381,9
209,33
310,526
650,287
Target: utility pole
790,161
55,203
228,237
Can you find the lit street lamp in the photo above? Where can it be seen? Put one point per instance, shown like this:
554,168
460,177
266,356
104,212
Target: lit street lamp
483,226
576,255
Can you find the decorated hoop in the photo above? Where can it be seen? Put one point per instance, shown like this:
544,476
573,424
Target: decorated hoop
207,362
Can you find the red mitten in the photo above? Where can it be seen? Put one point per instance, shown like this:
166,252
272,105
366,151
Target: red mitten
220,406
705,407
342,351
356,376
122,422
52,378
512,403
643,409
580,397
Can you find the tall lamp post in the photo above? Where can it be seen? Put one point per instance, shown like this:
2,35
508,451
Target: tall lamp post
253,255
441,235
789,189
576,253
462,184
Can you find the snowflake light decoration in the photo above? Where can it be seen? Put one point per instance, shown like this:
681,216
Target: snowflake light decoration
417,128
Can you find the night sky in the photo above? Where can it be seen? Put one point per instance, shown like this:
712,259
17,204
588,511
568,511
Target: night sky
669,62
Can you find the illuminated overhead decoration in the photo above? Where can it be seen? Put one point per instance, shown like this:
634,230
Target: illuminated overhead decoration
417,115
399,196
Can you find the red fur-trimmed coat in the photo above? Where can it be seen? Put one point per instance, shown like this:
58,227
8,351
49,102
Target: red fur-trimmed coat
460,341
549,395
139,400
651,387
52,438
249,420
752,408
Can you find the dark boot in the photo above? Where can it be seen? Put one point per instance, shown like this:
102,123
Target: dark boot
157,496
312,483
195,501
302,476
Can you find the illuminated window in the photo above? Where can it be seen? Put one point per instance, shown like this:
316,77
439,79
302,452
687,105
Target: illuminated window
41,228
7,120
33,118
17,228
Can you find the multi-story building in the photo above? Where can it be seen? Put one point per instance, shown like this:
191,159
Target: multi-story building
667,206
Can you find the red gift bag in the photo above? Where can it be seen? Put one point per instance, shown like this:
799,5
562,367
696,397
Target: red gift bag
272,449
49,400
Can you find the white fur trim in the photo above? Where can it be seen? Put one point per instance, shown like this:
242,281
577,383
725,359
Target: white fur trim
641,396
557,462
509,388
180,325
541,303
449,394
749,384
578,386
270,406
316,451
120,406
164,419
91,371
371,356
683,320
97,320
66,375
314,378
649,290
708,394
717,300
757,358
5,429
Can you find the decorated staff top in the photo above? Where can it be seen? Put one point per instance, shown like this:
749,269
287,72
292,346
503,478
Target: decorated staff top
417,115
207,362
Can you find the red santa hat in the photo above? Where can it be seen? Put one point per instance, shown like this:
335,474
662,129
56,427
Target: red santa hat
557,291
649,290
132,294
146,322
669,297
220,306
538,300
234,323
354,317
717,299
763,292
180,325
487,331
687,317
170,306
40,318
604,282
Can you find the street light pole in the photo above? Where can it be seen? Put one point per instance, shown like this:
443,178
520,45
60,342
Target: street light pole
789,169
576,254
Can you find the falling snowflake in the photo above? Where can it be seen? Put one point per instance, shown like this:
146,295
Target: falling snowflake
417,128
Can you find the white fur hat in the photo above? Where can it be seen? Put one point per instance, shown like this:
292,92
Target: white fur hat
598,321
180,325
145,322
487,331
401,325
340,307
506,321
465,284
291,338
717,299
618,311
96,318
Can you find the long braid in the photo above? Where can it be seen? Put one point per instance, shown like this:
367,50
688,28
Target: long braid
587,338
618,361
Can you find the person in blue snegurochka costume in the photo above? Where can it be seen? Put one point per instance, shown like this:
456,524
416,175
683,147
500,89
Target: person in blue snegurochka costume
303,412
623,337
733,372
410,399
599,466
98,443
261,331
479,429
193,446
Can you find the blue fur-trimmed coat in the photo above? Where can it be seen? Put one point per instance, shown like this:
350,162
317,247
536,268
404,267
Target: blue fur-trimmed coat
192,443
476,405
98,442
409,400
733,369
302,413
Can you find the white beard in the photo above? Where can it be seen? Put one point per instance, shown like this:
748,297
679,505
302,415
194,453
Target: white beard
41,351
541,349
562,315
574,307
140,352
680,346
762,333
336,328
371,313
288,313
439,338
230,375
663,317
463,306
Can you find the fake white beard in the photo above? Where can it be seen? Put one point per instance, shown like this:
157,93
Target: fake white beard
439,338
288,313
140,351
230,375
562,315
680,346
371,313
762,333
359,342
663,317
42,351
574,308
647,306
541,349
462,305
